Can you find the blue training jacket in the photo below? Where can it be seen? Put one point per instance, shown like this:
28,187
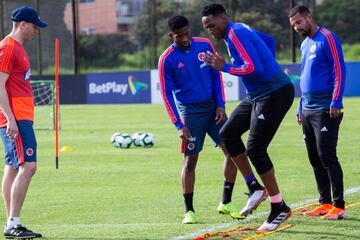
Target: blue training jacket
322,71
186,75
253,61
268,40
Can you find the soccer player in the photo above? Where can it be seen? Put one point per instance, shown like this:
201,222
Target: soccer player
270,95
199,94
322,84
16,118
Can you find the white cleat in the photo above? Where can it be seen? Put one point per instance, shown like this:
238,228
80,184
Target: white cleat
275,223
254,201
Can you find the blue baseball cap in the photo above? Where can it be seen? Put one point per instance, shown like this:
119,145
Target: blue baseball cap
27,14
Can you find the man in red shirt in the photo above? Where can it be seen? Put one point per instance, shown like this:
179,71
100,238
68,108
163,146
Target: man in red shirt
16,118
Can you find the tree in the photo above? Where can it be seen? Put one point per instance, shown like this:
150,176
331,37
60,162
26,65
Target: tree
269,16
104,50
164,10
341,17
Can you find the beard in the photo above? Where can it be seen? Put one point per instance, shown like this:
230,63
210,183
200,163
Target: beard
305,33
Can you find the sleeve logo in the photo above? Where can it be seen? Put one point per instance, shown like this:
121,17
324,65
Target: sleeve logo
27,75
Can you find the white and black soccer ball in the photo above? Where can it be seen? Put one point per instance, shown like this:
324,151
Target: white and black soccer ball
147,140
136,139
121,140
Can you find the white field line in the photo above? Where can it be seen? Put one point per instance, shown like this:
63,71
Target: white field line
257,215
102,225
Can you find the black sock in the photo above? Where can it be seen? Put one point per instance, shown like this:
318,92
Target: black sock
253,186
279,206
188,199
227,192
276,208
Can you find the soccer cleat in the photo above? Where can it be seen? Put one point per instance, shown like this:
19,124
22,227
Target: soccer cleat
320,210
37,235
20,232
254,201
335,214
230,209
276,217
189,218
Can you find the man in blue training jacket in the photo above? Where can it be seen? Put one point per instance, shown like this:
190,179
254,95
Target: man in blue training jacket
199,94
322,84
270,95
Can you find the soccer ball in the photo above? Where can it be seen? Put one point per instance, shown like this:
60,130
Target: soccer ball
147,140
136,139
121,140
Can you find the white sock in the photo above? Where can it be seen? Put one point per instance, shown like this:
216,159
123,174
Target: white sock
12,221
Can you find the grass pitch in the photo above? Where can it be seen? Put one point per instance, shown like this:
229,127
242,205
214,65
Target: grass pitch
101,192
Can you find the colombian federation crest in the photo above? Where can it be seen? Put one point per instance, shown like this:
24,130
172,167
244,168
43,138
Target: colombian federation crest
29,152
201,56
313,48
191,146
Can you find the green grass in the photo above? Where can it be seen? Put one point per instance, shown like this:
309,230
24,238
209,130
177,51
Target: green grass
100,192
351,52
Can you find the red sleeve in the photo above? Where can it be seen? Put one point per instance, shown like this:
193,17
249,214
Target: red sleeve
6,53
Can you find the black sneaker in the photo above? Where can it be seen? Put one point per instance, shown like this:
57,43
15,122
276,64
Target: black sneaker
279,213
20,232
37,235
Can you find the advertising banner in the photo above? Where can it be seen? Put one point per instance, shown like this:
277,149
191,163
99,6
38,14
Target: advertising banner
352,86
143,86
294,72
121,87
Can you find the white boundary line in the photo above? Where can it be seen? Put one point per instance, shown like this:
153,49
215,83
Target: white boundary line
233,223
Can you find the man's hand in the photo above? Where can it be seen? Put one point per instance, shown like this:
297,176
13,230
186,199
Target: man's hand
185,134
220,115
11,125
214,60
11,129
335,112
298,119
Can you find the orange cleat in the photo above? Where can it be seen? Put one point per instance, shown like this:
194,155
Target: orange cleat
335,214
320,210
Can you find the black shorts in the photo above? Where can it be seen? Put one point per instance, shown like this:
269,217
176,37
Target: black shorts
262,118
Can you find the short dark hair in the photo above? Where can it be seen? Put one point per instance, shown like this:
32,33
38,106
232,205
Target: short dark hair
177,22
213,9
301,9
